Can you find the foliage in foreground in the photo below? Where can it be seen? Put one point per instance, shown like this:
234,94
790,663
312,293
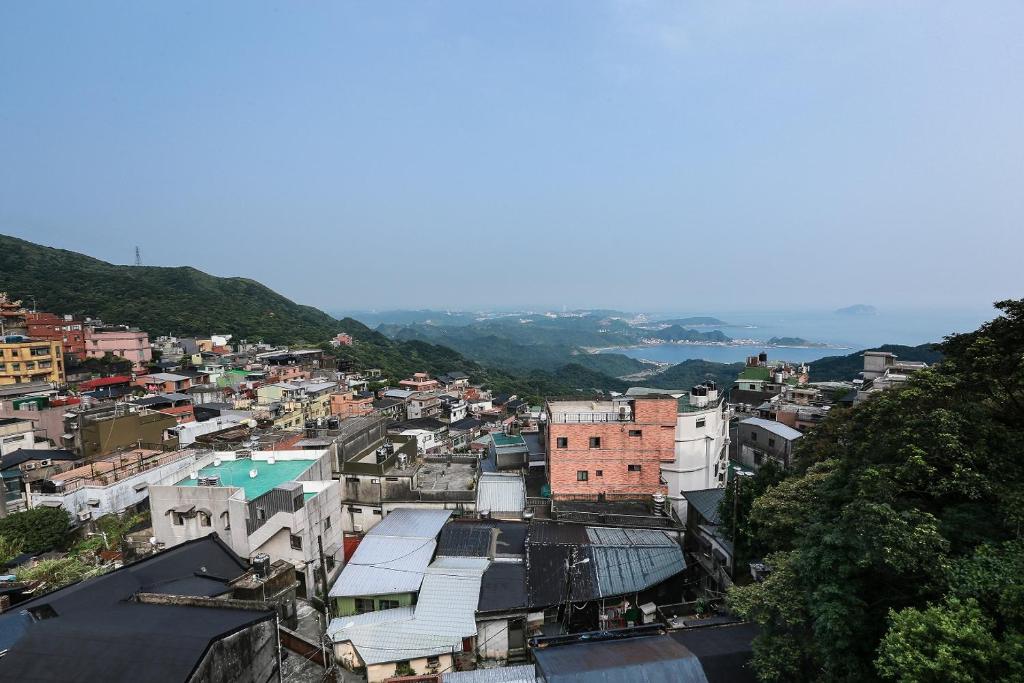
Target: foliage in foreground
36,530
896,542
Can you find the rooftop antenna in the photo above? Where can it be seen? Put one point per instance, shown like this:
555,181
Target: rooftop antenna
138,256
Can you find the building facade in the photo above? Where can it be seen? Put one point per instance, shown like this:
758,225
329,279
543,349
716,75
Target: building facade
24,360
132,345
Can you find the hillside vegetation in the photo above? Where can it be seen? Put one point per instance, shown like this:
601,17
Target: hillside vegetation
896,544
182,300
838,368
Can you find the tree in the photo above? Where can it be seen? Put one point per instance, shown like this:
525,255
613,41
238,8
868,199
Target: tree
899,523
37,530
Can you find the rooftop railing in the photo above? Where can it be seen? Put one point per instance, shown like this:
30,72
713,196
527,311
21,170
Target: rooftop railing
590,417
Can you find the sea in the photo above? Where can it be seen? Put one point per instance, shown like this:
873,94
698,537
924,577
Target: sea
843,333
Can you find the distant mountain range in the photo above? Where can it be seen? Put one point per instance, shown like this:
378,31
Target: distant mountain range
857,309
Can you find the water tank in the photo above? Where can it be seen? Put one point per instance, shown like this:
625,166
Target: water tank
333,423
403,460
527,514
762,357
253,473
389,447
382,455
261,565
484,514
659,503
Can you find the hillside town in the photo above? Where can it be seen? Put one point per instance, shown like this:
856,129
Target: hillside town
265,506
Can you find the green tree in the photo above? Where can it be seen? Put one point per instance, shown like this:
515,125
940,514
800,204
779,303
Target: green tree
37,530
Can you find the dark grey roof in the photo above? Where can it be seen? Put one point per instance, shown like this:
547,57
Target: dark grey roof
705,502
464,540
11,420
99,633
26,454
650,659
428,423
466,423
503,587
724,651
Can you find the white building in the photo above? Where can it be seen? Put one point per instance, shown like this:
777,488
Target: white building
282,503
702,442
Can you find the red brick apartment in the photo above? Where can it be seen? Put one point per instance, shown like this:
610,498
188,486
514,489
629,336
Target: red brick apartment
611,448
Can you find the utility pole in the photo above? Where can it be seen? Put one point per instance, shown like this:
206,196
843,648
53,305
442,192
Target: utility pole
328,663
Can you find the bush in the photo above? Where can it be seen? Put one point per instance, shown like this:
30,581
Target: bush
37,530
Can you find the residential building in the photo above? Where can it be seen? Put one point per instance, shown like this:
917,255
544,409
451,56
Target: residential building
114,387
166,382
342,339
507,452
609,448
64,329
130,344
25,465
701,452
283,503
177,405
387,568
349,404
883,371
423,405
453,408
168,617
15,434
44,409
112,426
708,547
24,360
112,484
761,440
420,381
454,381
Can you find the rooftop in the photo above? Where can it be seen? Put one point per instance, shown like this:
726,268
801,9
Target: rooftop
236,473
776,428
758,373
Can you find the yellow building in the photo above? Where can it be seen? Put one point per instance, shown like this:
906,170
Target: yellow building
24,360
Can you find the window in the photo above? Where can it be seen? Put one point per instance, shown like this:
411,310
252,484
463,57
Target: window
636,432
771,442
355,511
753,436
633,468
758,457
352,480
581,475
178,519
327,522
204,518
752,387
595,442
701,422
363,605
599,473
387,604
296,542
562,442
377,512
261,514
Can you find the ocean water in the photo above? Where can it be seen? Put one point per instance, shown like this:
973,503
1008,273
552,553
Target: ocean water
845,333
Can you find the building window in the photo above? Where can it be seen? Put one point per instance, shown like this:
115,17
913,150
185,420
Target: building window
355,511
636,432
753,436
261,514
204,518
701,422
599,473
178,519
296,542
327,522
771,442
595,442
758,457
581,475
562,442
363,605
633,468
388,604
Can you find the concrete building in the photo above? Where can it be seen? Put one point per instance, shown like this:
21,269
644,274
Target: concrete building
64,329
130,344
282,503
883,371
24,360
423,405
614,448
164,382
112,484
761,440
701,452
112,426
420,381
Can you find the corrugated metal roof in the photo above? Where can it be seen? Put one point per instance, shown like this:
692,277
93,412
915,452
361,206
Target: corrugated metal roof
411,523
501,492
705,502
465,540
654,659
524,673
384,565
444,614
777,428
629,569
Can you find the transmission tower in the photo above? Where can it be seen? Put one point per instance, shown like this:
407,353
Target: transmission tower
138,256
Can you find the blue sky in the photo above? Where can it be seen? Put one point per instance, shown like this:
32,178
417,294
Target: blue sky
656,155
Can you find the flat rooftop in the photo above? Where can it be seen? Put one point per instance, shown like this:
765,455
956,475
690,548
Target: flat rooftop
435,476
502,440
236,473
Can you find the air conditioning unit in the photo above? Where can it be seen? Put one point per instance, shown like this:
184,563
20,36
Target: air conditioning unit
84,515
30,466
358,528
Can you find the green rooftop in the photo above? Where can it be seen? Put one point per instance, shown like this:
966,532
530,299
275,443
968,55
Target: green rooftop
502,440
756,373
236,473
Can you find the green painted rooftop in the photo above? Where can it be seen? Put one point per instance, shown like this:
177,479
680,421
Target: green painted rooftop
236,473
501,440
756,373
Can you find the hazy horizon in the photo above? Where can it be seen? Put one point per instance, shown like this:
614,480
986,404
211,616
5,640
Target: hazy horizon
649,156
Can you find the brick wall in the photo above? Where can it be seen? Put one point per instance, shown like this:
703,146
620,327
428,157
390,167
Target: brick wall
654,419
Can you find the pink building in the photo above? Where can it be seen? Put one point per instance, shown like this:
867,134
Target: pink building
131,345
420,381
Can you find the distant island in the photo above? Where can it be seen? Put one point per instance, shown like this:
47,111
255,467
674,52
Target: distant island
676,333
795,341
696,321
857,309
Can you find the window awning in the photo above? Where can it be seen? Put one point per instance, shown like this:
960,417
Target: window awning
140,487
50,504
183,509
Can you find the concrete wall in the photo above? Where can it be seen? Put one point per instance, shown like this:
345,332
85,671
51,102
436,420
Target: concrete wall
493,639
757,443
701,455
248,656
346,606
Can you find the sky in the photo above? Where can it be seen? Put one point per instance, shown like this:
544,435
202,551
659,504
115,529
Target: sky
685,156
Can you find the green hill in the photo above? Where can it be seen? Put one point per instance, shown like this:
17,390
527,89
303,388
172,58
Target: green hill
180,300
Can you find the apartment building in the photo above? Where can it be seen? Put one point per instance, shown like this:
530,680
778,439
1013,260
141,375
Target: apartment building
130,344
24,360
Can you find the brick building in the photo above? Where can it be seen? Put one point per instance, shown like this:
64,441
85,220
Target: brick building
70,332
598,448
